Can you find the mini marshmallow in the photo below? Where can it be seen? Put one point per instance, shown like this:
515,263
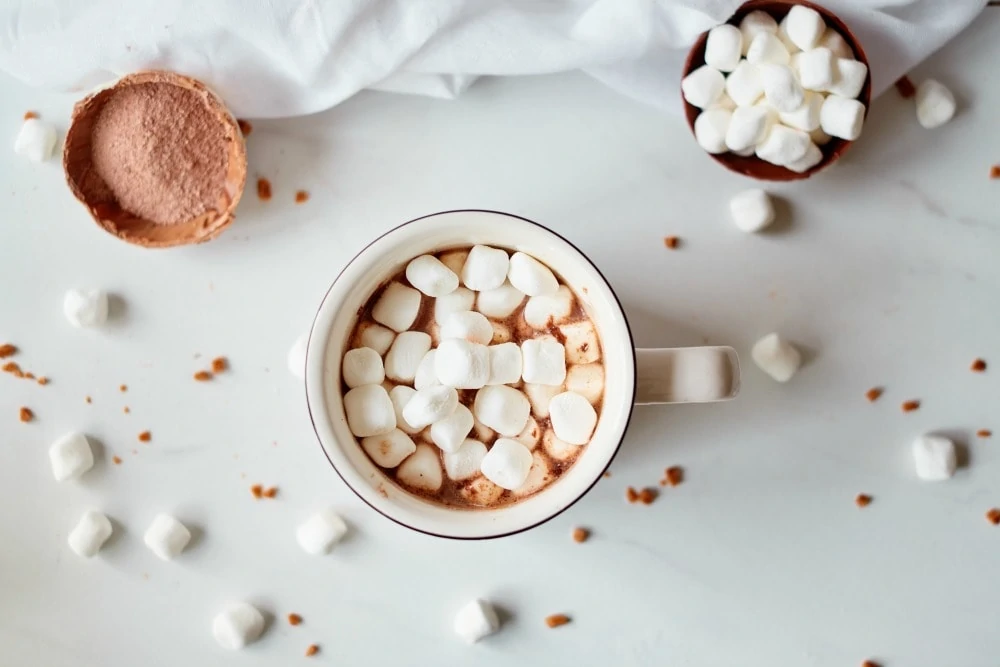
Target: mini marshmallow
405,355
573,418
539,475
470,326
834,41
362,366
398,307
390,449
85,308
586,380
785,39
816,68
505,363
455,260
776,357
482,432
752,210
723,102
297,356
501,333
812,158
543,361
748,127
320,532
848,79
841,117
558,450
422,470
935,104
934,457
502,408
486,268
507,463
237,625
767,49
541,311
463,462
703,86
36,140
723,47
804,26
499,302
819,137
580,342
710,129
166,537
476,620
783,145
540,395
744,85
755,23
781,87
426,375
429,405
449,433
806,117
458,301
369,410
462,364
480,491
377,337
530,434
531,276
430,276
400,396
90,534
70,456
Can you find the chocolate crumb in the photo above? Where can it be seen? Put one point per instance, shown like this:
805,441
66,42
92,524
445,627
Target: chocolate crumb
984,433
978,366
631,495
26,415
29,376
89,399
675,475
555,620
271,492
995,171
123,388
245,127
126,409
116,460
863,500
301,197
43,380
145,436
13,369
905,87
607,474
671,242
648,495
312,650
993,516
7,350
28,115
870,663
219,364
910,406
873,394
263,189
202,376
580,534
294,619
257,490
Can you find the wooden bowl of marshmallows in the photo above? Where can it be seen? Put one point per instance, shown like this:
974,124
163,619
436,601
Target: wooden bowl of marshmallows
778,92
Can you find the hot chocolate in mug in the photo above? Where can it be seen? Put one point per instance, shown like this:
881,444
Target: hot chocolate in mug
631,376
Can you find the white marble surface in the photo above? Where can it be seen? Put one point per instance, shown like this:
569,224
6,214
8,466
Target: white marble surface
885,270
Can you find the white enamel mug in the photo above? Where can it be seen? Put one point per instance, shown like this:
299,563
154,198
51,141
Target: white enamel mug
644,376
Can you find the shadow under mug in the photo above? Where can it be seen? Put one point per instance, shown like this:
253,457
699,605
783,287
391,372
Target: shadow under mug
644,376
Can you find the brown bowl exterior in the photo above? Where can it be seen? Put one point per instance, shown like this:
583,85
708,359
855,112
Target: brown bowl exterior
753,166
112,219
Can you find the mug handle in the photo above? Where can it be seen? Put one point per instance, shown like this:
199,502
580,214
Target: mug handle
686,375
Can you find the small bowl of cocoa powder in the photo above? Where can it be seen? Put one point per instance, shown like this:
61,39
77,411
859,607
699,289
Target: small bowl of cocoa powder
157,159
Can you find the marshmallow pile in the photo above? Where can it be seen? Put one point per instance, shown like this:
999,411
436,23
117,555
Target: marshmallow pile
402,382
777,91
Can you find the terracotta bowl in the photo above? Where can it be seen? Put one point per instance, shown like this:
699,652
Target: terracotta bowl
94,194
752,166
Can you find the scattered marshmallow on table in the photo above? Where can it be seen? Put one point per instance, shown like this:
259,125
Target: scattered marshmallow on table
934,457
449,433
935,104
166,537
783,145
70,456
748,126
782,89
776,357
816,68
531,276
237,625
369,410
743,85
849,78
400,396
405,355
507,463
469,325
320,532
754,24
377,337
841,117
90,534
541,311
573,418
458,301
710,129
297,356
499,302
752,210
422,469
429,405
464,461
389,449
804,26
36,140
362,365
543,361
430,276
485,268
398,307
462,364
85,309
502,408
703,86
505,363
476,620
723,47
767,49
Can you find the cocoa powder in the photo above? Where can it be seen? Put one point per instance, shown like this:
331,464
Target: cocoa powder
160,153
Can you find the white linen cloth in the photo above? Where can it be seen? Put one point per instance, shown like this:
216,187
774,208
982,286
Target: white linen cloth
273,58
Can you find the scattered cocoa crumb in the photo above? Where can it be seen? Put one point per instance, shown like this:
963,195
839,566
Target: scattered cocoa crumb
294,619
245,127
271,492
580,534
13,369
555,620
631,495
978,366
28,115
995,171
257,490
863,500
145,436
675,475
89,399
26,415
126,409
219,364
873,394
202,376
872,663
648,495
993,516
607,474
263,189
29,376
123,388
312,650
905,87
984,433
43,380
117,460
301,197
910,406
671,242
7,350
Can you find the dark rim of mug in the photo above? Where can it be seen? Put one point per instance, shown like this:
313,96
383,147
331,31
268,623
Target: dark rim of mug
628,419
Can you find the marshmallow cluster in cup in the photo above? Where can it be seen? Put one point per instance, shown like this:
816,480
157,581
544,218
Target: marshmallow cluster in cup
777,91
474,377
